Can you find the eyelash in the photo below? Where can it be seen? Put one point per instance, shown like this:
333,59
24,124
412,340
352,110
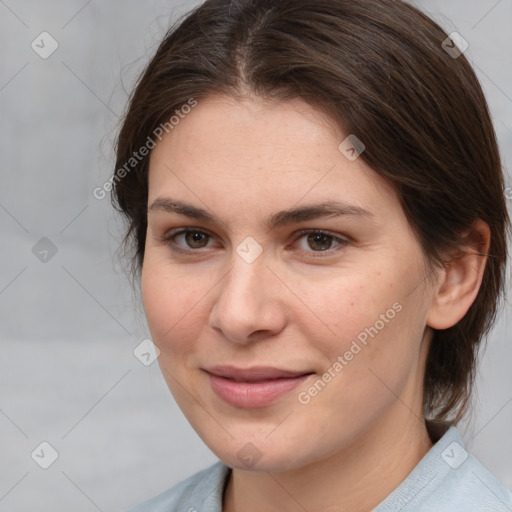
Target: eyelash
168,239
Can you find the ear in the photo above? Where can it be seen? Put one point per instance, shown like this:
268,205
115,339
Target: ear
461,278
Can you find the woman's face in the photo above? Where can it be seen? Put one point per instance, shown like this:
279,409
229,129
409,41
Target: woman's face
247,287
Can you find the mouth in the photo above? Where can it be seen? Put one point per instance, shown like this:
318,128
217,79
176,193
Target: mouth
253,387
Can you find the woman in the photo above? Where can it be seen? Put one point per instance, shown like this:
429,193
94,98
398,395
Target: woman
315,199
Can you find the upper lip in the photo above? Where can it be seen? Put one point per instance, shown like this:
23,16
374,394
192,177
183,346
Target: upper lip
254,373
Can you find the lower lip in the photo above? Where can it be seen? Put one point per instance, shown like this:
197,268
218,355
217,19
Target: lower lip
253,394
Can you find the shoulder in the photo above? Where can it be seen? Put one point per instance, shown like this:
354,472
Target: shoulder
449,479
204,489
470,486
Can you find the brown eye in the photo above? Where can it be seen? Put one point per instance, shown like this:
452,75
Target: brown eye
314,242
193,239
196,239
319,241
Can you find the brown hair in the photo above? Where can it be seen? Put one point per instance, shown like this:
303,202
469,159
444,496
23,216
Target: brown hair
379,68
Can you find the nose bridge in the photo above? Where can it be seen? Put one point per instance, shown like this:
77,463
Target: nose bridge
244,302
245,282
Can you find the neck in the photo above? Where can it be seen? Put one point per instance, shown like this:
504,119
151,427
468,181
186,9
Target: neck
342,481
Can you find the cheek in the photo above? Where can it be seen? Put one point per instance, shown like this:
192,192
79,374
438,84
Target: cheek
370,319
342,309
172,305
369,360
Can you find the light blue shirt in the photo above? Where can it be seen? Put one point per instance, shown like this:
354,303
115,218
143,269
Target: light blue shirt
447,479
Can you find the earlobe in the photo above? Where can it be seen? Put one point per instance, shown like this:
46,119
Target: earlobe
460,280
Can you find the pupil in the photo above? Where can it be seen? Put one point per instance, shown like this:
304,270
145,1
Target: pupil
318,238
194,237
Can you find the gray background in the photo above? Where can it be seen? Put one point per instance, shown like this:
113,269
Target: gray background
68,375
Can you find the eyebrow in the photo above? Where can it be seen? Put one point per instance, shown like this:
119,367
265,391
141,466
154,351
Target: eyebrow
281,218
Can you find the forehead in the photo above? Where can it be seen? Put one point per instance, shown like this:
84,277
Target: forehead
252,155
220,122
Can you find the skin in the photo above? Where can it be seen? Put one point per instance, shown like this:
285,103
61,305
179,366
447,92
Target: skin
295,307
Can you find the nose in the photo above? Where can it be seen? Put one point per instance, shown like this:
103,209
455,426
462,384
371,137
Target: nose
249,302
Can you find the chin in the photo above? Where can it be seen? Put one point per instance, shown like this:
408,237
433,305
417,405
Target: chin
254,454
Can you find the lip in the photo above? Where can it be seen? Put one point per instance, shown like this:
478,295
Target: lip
253,387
